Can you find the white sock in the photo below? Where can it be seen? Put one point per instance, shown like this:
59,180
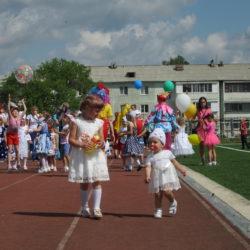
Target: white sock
85,198
97,195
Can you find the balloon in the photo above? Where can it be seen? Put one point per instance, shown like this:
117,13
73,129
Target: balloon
24,74
191,111
194,139
138,84
182,102
168,86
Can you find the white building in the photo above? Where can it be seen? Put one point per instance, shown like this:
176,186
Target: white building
226,87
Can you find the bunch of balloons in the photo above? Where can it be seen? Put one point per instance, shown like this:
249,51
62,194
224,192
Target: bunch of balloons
24,74
184,104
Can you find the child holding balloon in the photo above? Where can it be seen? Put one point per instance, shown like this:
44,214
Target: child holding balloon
88,163
211,139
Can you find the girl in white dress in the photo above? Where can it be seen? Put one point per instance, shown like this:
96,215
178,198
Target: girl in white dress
182,146
161,174
24,142
88,162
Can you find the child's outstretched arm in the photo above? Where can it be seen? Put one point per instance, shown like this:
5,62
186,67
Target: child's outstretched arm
179,167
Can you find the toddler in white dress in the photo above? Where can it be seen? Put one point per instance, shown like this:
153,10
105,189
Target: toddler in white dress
88,162
182,146
161,174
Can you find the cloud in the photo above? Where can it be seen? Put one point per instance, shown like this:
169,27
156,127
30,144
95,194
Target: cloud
132,44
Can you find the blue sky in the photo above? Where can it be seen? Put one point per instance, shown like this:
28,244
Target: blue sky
128,32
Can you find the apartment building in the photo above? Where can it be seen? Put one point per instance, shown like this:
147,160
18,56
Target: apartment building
226,86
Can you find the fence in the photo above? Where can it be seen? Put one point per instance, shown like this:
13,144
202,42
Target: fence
228,128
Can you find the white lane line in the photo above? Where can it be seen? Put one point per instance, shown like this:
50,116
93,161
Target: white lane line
69,232
17,182
234,149
213,212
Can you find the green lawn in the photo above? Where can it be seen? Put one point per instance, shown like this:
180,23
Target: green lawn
233,171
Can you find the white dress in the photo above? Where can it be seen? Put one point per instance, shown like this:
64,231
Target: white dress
24,138
163,173
87,167
182,146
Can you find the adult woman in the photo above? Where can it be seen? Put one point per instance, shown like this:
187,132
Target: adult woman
202,111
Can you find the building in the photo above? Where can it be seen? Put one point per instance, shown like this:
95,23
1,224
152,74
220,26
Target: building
226,87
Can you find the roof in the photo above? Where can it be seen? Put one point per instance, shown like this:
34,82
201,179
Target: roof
191,72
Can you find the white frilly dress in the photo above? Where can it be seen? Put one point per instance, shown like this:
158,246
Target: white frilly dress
182,146
87,167
163,173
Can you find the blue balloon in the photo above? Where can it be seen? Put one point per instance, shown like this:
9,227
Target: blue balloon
138,84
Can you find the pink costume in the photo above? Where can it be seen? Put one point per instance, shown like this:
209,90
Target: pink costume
201,129
211,138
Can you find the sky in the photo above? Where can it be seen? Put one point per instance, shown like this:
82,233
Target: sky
125,32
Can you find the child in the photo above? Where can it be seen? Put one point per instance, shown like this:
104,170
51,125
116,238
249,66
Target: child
64,142
54,146
88,162
182,146
132,149
12,134
161,174
3,148
122,137
211,139
25,140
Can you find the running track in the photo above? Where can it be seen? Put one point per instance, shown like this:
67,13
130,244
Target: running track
42,212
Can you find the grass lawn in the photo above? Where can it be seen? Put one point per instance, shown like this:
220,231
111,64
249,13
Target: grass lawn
233,171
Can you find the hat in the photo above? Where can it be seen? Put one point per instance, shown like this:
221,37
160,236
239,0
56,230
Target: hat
159,134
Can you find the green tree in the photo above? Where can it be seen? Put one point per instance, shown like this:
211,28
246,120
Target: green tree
54,82
179,60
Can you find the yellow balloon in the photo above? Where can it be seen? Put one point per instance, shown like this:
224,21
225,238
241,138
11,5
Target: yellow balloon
191,111
194,139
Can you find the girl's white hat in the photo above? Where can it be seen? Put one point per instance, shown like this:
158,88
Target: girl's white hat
159,134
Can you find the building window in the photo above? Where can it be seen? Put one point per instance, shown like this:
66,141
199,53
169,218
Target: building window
187,88
144,108
237,107
144,90
123,90
200,87
237,87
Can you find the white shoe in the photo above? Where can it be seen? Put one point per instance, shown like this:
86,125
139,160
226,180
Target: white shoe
54,169
214,163
41,170
86,212
66,169
173,208
158,213
97,213
25,168
210,163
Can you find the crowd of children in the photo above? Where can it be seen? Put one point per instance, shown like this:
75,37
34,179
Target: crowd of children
37,136
82,140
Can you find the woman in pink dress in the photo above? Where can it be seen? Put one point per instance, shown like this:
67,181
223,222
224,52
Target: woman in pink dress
202,112
211,139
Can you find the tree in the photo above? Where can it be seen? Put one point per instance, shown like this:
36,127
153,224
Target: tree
179,60
54,82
